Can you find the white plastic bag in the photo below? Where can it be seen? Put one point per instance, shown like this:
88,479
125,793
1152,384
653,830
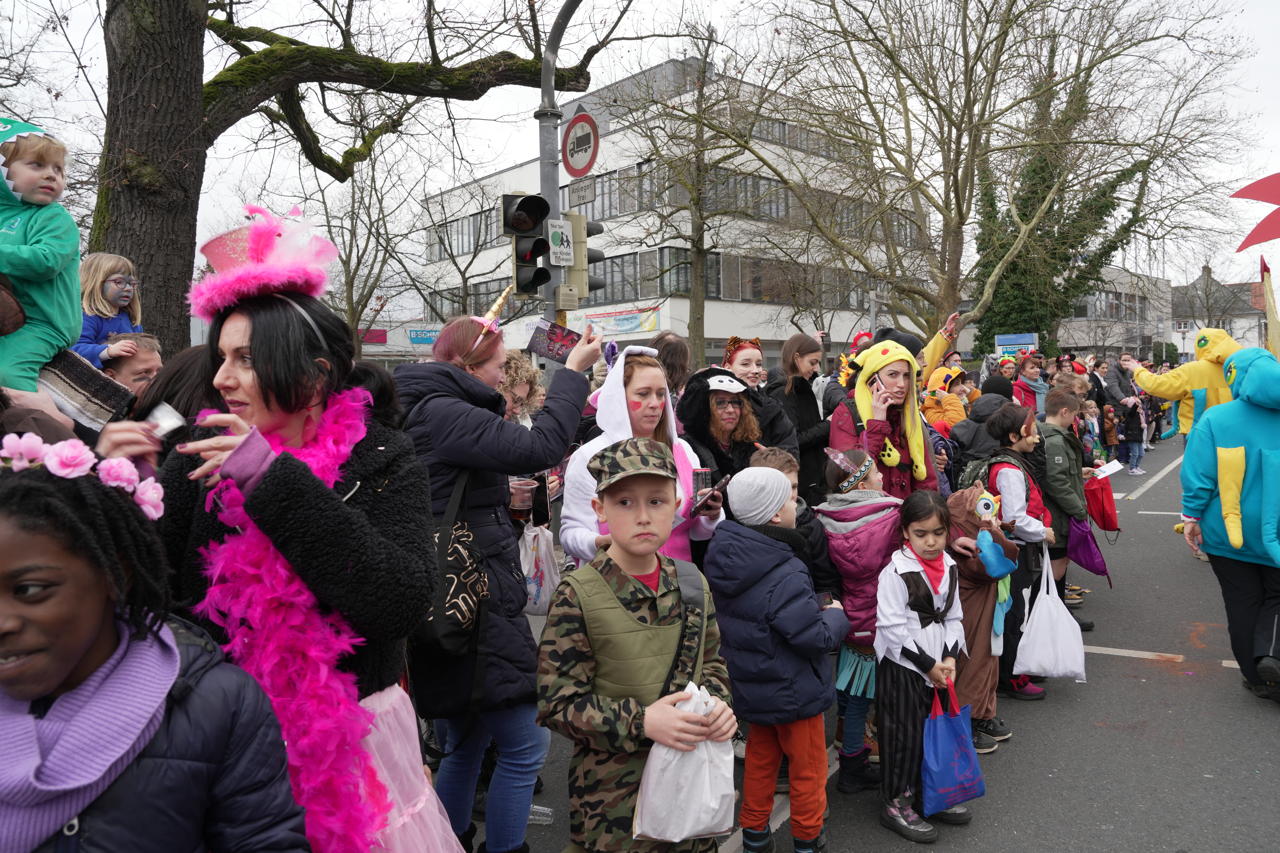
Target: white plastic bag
686,795
1051,644
541,573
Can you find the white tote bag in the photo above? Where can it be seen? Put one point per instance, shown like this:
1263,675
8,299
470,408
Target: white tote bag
1051,644
686,795
541,572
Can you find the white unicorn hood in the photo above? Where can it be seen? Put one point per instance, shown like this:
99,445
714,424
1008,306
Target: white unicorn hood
612,414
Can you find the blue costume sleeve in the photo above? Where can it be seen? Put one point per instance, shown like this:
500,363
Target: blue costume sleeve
1199,469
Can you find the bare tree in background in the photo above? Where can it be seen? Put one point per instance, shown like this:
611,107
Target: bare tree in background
163,115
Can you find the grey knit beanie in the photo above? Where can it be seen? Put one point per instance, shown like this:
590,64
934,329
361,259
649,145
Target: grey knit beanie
756,494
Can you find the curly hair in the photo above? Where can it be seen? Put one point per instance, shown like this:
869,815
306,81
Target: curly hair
102,525
519,371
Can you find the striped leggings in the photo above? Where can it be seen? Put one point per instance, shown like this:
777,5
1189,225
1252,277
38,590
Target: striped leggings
903,699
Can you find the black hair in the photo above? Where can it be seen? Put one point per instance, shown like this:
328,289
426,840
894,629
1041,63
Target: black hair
285,348
377,380
184,382
1007,420
104,526
923,505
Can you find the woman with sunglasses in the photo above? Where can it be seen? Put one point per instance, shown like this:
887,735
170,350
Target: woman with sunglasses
456,422
111,305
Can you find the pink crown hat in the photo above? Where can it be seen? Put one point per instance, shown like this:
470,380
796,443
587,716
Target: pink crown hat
269,255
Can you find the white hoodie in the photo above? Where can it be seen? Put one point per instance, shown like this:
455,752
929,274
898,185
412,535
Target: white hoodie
578,524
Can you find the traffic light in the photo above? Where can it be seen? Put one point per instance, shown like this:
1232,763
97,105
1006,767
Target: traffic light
523,218
577,276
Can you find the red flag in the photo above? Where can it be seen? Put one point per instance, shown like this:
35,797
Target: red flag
1267,190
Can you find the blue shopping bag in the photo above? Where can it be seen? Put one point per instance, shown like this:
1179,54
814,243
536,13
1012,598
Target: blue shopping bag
950,773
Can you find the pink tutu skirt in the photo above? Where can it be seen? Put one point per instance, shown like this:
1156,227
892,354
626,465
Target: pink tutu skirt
417,822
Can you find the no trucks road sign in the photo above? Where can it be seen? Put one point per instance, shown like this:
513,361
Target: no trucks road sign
579,145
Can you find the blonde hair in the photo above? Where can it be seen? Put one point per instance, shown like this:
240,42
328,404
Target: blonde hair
94,270
519,370
33,145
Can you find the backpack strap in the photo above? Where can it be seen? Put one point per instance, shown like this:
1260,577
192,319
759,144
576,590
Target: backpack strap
693,623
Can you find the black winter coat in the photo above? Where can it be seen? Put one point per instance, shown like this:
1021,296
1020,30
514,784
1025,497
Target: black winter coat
362,547
812,434
213,778
971,436
776,429
456,423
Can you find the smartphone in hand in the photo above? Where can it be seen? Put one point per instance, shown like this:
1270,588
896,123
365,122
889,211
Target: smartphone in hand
702,501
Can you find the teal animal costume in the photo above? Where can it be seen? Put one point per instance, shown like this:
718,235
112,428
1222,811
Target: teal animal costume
40,253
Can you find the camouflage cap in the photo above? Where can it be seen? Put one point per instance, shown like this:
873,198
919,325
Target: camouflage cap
630,457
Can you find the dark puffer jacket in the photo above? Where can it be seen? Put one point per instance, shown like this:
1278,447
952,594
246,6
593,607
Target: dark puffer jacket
971,436
774,634
812,433
214,777
456,423
362,547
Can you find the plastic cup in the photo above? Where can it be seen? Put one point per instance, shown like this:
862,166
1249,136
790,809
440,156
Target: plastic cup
522,493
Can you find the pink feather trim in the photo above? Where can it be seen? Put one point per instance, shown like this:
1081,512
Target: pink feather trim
217,292
280,636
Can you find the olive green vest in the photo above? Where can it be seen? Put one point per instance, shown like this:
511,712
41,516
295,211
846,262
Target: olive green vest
633,659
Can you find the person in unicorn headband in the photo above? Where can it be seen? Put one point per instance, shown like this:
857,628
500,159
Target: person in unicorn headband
297,537
467,446
123,727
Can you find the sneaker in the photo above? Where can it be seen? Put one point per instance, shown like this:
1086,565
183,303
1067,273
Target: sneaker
809,845
757,840
983,743
956,816
1076,588
1136,472
1086,625
1269,669
993,727
899,816
1073,599
1020,687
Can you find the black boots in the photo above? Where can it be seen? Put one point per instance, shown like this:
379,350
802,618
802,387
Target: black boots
468,839
857,774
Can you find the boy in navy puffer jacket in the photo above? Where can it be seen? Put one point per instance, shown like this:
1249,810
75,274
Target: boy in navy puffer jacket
775,636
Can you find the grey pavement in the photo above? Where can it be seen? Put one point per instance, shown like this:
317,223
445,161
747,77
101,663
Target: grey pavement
1148,755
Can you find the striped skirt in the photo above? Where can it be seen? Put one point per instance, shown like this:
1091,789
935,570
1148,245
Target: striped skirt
903,699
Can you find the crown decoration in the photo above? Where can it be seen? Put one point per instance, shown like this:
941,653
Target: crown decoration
856,474
72,458
269,255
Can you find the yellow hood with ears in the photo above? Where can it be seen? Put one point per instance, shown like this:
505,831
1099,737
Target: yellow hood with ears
871,361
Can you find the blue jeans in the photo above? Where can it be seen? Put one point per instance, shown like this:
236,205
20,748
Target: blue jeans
854,711
1135,453
522,747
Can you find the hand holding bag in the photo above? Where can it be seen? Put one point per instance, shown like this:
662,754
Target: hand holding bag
949,772
686,795
1051,644
538,563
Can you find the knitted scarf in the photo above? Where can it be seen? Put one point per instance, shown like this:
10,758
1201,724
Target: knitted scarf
279,634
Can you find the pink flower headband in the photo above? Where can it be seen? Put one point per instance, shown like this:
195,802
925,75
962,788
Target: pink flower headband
73,458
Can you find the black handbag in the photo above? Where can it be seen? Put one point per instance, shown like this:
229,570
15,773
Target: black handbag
457,606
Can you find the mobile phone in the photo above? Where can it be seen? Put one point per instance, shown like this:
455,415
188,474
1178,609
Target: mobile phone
825,599
702,501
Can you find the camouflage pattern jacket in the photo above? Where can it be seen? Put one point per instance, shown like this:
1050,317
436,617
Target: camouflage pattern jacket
608,735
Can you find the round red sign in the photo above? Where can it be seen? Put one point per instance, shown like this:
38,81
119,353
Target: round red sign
579,145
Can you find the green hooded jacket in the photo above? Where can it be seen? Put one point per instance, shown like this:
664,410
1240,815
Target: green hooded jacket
40,253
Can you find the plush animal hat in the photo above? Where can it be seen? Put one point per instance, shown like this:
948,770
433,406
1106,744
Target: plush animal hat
270,255
870,361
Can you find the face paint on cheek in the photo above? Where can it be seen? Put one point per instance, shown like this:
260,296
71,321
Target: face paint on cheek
635,405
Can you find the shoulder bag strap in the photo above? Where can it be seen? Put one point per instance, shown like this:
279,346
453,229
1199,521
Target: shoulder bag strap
445,531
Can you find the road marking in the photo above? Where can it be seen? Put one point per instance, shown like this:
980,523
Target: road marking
1133,496
1230,664
1118,496
1153,512
781,809
1130,653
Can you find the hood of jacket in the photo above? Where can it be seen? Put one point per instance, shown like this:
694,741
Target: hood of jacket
745,556
11,129
1215,345
417,382
942,377
986,406
694,408
844,513
613,416
1254,376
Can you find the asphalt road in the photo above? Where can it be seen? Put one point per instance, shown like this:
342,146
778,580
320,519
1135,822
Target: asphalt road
1149,755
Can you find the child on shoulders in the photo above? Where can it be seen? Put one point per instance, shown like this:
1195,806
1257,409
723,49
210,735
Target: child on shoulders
606,677
111,305
776,640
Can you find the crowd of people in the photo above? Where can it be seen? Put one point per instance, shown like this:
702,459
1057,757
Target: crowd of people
244,611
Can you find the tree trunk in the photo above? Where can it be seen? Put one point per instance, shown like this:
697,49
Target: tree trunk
154,153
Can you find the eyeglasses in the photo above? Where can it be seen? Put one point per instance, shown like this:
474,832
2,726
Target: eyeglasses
124,282
728,404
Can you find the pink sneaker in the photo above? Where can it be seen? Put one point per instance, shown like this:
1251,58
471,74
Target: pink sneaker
1020,687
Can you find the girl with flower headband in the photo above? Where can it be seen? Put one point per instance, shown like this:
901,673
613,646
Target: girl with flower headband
297,536
456,421
123,727
745,359
881,416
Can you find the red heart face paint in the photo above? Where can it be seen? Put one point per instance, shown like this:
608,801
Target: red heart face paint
635,405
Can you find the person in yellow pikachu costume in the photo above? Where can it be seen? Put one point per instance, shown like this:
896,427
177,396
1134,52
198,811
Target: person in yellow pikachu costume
1195,386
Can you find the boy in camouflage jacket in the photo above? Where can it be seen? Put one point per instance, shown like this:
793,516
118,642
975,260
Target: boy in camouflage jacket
587,645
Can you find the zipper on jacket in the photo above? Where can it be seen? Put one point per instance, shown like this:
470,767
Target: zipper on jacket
69,837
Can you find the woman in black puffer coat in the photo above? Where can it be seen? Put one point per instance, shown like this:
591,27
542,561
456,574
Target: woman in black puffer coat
455,418
793,390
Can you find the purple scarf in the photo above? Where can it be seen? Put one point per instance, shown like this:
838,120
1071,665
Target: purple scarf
55,766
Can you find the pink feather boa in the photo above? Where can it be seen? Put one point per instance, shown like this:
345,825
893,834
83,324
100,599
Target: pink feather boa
280,636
